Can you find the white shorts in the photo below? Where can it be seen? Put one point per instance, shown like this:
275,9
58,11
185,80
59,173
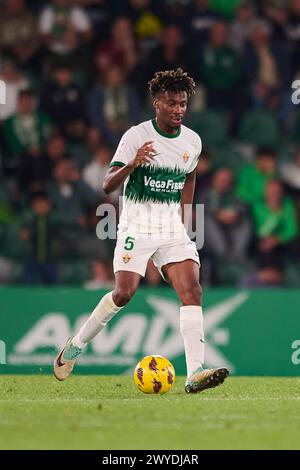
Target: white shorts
133,253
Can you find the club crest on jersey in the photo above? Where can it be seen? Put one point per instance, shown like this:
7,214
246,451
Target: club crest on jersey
126,258
186,156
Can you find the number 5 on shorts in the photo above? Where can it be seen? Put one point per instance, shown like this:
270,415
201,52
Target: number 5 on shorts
129,243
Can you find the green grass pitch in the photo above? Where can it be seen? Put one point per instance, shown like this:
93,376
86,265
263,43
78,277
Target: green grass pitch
100,412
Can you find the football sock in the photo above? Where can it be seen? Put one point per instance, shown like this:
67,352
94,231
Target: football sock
104,312
191,327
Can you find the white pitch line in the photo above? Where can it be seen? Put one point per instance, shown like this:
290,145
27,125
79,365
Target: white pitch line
101,400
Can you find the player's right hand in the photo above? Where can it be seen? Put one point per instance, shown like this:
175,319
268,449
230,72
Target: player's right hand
144,155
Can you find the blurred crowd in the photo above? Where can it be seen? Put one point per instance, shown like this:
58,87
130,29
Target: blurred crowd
76,76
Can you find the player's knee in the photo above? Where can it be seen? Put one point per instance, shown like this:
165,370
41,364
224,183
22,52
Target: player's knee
191,295
122,296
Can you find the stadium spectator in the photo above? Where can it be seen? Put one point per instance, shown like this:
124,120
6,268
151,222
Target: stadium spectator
275,224
219,69
290,174
277,15
6,271
100,13
204,173
36,168
39,229
240,27
113,106
227,227
94,172
266,64
101,276
84,153
33,172
147,19
64,28
6,219
169,54
293,33
253,177
18,29
28,129
264,277
200,18
6,213
64,102
55,150
225,8
93,140
120,49
73,199
15,81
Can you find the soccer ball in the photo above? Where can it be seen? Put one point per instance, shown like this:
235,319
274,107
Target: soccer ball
154,374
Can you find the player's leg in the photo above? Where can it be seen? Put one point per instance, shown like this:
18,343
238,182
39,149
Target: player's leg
184,277
130,261
126,283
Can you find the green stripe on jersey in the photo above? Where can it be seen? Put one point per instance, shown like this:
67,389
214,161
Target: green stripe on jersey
156,184
116,164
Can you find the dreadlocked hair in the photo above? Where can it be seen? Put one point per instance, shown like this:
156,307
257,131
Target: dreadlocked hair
171,80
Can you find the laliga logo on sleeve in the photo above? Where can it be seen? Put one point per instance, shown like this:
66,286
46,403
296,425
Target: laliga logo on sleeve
2,92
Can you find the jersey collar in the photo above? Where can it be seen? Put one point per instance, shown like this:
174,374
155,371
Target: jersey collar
165,134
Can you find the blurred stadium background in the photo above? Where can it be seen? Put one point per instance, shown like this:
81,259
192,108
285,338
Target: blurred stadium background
76,76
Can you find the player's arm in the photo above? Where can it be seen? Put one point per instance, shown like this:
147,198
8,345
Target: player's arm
187,197
116,175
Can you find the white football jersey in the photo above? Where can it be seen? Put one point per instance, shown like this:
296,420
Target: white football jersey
152,192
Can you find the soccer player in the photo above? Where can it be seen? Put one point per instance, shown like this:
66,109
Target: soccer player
156,161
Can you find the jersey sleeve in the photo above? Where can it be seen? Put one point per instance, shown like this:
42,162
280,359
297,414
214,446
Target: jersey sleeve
197,153
126,150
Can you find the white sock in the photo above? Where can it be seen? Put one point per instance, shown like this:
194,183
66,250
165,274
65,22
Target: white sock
104,312
191,327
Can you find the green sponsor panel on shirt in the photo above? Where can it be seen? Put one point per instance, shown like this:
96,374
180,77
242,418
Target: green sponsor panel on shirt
251,332
155,184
